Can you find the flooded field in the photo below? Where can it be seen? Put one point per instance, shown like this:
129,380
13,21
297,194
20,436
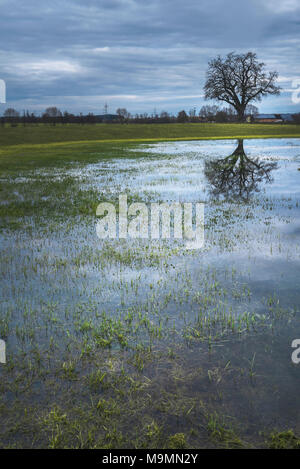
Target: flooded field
142,343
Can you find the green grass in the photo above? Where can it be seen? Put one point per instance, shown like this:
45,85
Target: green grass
284,440
45,134
35,146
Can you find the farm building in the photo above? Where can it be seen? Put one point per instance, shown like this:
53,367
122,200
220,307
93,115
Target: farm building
268,118
273,118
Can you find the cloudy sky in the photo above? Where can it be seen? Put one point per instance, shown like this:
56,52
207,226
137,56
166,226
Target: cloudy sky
139,54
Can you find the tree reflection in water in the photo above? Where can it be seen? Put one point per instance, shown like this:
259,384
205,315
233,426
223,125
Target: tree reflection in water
237,175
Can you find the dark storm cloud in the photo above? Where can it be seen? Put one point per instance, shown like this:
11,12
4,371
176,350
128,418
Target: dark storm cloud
139,54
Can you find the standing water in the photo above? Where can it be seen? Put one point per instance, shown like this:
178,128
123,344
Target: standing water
141,342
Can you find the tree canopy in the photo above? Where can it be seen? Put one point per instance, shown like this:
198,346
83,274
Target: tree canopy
239,79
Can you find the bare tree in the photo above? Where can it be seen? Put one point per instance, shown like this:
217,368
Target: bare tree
182,116
251,110
12,116
52,111
239,79
10,112
208,112
123,114
52,114
164,117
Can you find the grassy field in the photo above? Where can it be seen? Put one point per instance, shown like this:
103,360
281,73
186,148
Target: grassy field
45,134
36,146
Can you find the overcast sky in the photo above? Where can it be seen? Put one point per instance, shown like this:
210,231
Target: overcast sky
139,54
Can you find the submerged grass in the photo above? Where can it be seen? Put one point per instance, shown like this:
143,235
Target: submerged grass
111,345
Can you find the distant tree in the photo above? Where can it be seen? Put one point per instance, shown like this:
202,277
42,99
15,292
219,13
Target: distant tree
221,116
164,117
52,112
193,115
251,110
10,112
12,116
238,80
296,118
226,114
67,117
90,118
123,114
231,113
182,116
208,112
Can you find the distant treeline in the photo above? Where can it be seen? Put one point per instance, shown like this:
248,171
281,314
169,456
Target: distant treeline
53,116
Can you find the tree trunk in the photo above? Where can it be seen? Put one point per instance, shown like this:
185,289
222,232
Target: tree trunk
241,113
